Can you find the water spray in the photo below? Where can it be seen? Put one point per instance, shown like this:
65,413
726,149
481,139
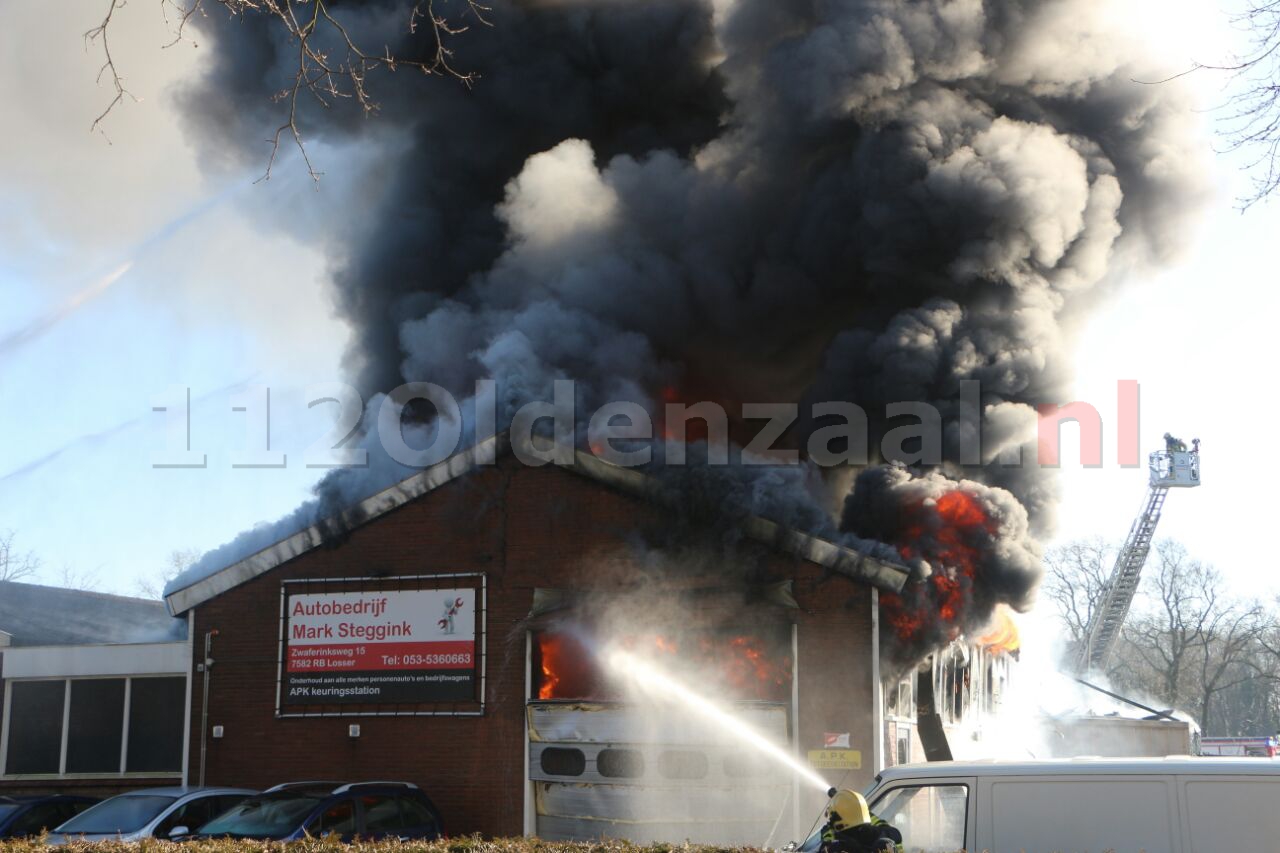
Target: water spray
651,679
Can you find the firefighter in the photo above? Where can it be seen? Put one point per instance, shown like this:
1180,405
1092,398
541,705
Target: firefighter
852,828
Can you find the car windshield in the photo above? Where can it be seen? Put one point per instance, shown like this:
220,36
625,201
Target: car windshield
7,809
126,813
262,817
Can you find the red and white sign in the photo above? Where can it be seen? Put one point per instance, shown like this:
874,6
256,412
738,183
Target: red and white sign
398,646
835,740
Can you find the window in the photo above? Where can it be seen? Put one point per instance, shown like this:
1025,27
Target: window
193,814
79,726
682,764
338,819
95,725
271,816
156,713
39,817
125,813
738,766
899,701
417,815
381,814
560,761
35,726
620,763
931,818
903,755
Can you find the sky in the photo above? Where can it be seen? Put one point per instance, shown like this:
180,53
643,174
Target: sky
130,271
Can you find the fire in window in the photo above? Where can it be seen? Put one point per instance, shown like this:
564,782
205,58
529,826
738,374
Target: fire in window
736,665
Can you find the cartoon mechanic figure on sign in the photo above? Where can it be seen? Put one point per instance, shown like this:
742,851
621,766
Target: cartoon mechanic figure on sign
451,609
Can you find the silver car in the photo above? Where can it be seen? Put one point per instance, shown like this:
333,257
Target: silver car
149,813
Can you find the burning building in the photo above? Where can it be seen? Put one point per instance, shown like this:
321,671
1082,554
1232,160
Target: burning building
459,624
949,700
889,214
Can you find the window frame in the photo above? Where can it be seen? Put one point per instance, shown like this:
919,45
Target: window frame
62,773
969,783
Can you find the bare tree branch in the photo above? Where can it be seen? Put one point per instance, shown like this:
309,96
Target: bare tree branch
177,562
331,65
15,565
99,34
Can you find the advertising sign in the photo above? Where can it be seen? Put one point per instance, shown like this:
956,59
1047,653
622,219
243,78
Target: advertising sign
380,647
835,759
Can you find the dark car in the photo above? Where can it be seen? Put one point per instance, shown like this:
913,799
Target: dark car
23,816
370,810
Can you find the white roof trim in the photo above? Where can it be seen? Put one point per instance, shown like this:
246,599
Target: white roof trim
96,659
843,560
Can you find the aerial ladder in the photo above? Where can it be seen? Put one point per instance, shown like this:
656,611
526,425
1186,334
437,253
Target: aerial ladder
1175,467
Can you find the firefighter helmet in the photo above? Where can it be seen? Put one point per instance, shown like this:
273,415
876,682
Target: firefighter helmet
847,809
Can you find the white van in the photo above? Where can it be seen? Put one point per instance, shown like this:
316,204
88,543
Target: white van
1130,805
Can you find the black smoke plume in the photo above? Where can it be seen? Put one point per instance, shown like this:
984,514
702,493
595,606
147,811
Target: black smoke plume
870,201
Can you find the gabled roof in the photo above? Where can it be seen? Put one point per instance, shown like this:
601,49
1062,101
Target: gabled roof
34,615
878,573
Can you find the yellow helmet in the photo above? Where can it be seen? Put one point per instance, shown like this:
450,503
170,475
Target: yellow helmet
848,808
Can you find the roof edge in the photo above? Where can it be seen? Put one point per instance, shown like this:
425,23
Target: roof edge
485,452
860,567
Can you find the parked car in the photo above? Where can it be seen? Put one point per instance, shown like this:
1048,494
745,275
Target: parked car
148,813
21,816
1157,805
369,810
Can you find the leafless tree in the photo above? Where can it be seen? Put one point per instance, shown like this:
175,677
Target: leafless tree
1164,635
1075,581
70,577
1191,641
1228,658
14,564
331,65
1187,644
1253,120
1251,115
175,564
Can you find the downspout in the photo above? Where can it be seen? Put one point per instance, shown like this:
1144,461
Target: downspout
877,688
186,711
529,824
204,701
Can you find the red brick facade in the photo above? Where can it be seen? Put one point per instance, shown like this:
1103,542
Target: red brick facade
523,528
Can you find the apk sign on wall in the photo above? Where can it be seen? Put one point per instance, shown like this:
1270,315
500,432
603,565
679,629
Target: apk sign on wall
380,647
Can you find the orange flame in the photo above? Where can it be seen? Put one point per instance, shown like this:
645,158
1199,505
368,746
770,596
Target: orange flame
739,664
1002,633
567,670
953,526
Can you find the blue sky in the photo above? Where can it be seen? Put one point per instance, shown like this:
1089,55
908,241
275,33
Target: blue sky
216,300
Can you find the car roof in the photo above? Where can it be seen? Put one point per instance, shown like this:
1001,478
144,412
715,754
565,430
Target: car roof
1173,764
182,791
325,788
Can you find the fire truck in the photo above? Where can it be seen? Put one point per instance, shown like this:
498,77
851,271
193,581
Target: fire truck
1258,747
1175,467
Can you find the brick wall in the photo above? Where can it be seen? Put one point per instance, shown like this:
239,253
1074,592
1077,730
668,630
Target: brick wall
524,528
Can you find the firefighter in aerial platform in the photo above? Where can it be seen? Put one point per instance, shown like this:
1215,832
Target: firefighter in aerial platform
852,828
